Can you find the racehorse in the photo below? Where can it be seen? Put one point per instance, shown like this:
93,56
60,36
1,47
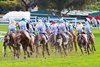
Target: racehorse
91,41
60,42
74,39
70,42
40,40
9,40
65,41
82,42
55,41
23,38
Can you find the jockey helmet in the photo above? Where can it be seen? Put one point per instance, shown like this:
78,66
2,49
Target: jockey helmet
23,19
87,19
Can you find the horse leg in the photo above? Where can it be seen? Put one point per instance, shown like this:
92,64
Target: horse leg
93,47
14,52
55,48
25,50
81,49
47,49
59,47
64,49
31,49
18,52
87,48
75,45
28,54
10,49
43,48
70,45
4,47
36,50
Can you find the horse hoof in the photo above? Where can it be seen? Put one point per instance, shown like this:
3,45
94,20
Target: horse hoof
94,49
48,54
45,58
30,53
24,57
4,55
18,57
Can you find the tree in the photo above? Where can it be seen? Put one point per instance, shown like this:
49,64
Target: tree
59,5
32,3
27,4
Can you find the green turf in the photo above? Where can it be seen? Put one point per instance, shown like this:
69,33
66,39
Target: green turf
71,60
3,27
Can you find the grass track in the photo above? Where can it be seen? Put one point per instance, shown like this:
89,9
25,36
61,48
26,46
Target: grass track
72,60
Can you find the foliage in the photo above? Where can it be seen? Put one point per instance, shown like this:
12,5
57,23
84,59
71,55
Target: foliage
9,6
58,5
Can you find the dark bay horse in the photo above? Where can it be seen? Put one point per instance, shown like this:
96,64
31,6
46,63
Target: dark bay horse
23,38
82,43
9,40
40,40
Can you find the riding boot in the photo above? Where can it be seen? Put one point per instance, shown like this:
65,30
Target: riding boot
45,36
33,33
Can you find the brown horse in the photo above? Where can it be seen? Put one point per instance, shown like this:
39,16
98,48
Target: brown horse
91,41
74,39
82,43
23,38
9,40
40,40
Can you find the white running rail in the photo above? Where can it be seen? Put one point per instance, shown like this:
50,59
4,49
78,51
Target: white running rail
2,33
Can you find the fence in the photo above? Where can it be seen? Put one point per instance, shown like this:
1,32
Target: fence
2,33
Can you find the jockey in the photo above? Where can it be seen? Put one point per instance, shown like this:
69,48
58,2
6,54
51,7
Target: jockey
88,30
12,26
71,30
47,27
62,29
22,25
79,28
87,27
40,27
31,29
70,27
54,28
62,26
